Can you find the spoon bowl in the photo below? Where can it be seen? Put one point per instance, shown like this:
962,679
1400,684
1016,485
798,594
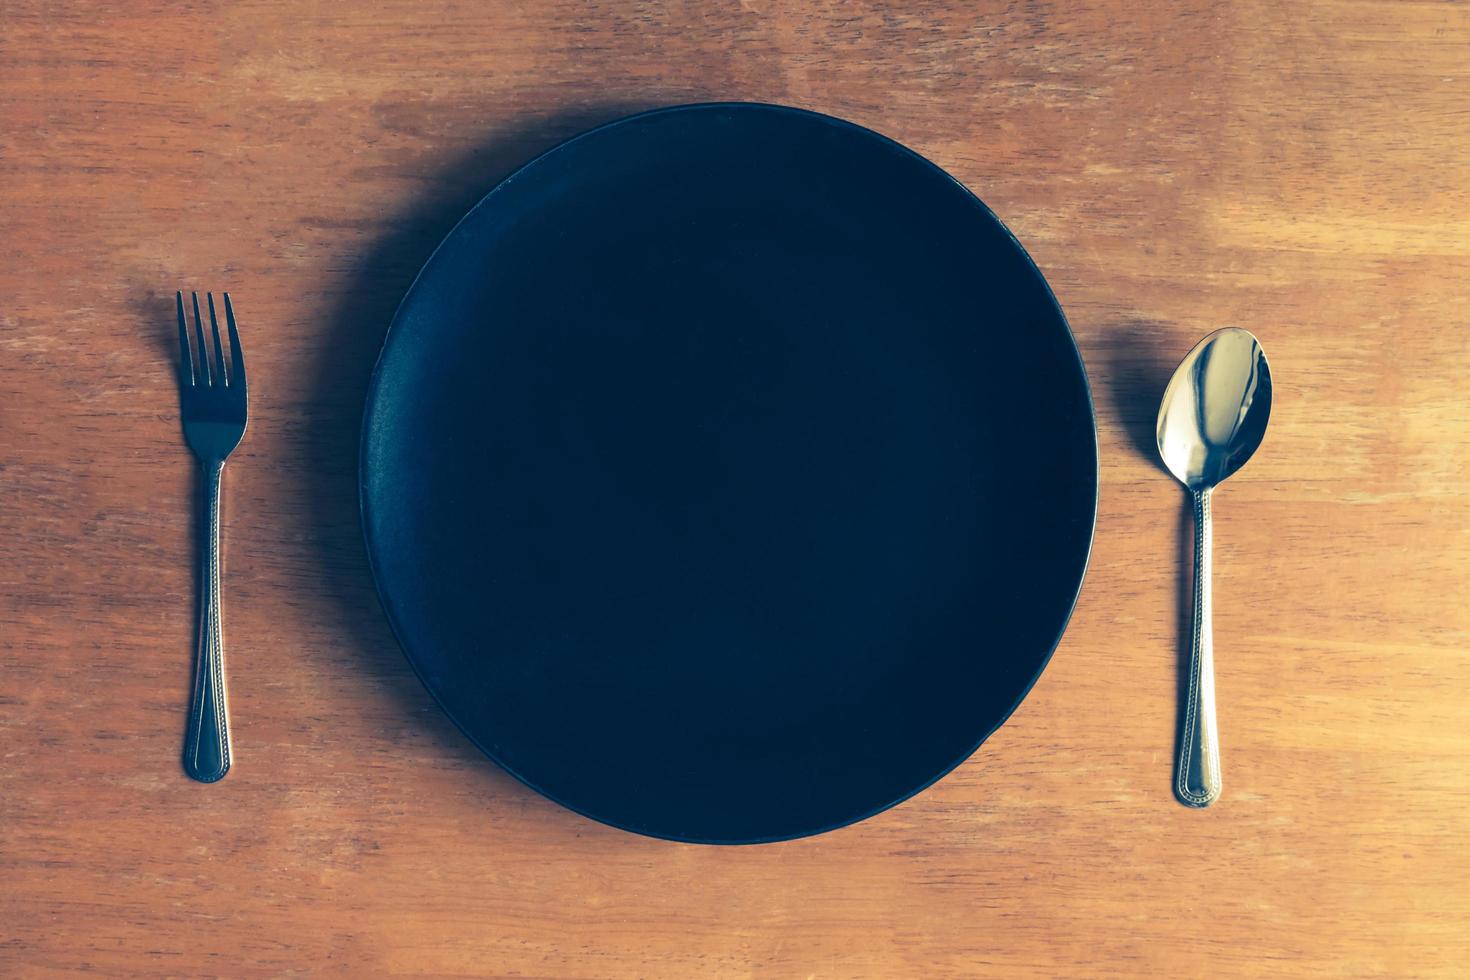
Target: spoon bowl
1215,409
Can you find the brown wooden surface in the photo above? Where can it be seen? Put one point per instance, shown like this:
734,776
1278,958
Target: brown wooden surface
1296,168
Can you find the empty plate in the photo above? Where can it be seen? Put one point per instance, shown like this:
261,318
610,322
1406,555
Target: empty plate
729,473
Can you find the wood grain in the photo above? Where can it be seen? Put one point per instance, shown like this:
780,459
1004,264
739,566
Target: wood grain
1301,169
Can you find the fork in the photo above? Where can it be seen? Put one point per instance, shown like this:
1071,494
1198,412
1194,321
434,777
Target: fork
214,415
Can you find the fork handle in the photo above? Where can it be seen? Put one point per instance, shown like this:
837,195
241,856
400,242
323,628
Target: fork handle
207,742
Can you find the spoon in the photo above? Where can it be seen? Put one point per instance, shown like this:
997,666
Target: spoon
1212,419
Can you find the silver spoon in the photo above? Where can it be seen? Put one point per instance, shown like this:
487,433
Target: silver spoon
1213,417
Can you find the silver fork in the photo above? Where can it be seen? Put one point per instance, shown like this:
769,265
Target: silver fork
214,420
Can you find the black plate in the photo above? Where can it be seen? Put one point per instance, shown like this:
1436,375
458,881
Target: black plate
729,473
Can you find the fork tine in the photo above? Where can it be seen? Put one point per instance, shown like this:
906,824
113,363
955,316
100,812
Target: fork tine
219,352
186,363
237,356
205,374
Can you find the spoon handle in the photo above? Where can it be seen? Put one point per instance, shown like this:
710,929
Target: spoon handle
1197,782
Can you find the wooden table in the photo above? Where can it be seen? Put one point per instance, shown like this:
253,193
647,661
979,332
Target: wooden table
1296,168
